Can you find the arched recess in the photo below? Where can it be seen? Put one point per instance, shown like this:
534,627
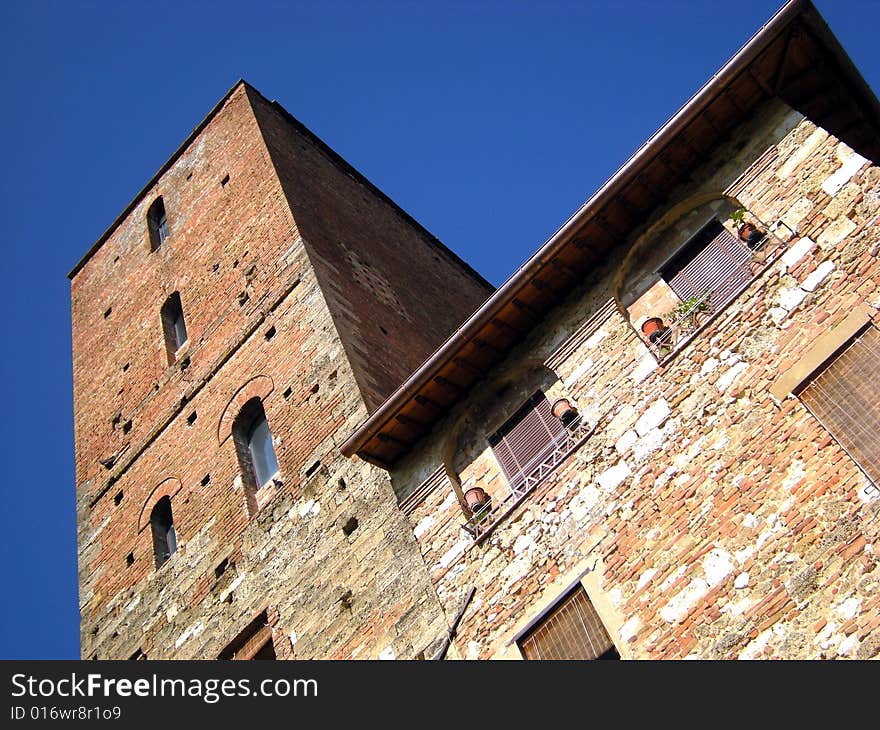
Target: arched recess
488,411
258,387
166,488
638,251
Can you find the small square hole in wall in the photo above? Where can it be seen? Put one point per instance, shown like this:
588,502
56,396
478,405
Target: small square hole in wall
270,333
288,392
221,567
117,499
215,267
384,331
107,312
126,427
243,298
224,180
350,526
191,418
126,367
129,559
312,469
205,480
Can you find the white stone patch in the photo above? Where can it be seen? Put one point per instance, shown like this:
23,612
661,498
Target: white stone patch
848,645
515,571
133,603
387,654
625,442
316,507
647,365
646,577
680,606
237,483
615,595
802,153
796,252
613,477
868,493
523,544
717,565
595,338
293,638
578,373
473,650
737,608
741,581
794,215
450,500
818,277
425,524
451,555
778,315
585,500
790,297
629,630
652,441
849,608
793,475
726,380
840,177
306,508
708,366
192,631
750,520
835,232
653,417
743,555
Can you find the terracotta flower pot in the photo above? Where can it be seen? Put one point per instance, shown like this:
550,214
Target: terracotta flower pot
564,411
749,234
651,325
476,498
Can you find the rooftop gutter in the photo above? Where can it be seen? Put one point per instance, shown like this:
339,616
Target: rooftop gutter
502,296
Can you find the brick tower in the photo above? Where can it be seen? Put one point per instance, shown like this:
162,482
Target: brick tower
252,305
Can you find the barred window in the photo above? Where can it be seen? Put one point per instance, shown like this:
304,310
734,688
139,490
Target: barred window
571,630
845,400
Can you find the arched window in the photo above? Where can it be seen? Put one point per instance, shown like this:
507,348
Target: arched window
162,524
157,223
173,325
253,443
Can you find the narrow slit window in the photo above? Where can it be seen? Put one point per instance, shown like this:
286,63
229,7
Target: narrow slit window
157,223
173,326
164,537
256,452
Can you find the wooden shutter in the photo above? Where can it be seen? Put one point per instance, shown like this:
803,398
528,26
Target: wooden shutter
720,267
525,439
845,399
572,630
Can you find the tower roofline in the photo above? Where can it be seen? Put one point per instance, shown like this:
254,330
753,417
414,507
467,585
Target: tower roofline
334,156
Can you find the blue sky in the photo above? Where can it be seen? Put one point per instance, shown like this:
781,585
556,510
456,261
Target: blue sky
489,122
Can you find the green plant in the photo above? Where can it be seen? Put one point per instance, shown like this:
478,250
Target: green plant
738,216
686,313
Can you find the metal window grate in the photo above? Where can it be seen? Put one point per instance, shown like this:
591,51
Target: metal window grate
572,630
844,398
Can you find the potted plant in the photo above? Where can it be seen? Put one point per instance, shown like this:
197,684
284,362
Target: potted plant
565,411
747,231
687,314
652,325
476,499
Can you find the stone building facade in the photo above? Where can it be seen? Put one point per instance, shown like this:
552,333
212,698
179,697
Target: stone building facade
699,497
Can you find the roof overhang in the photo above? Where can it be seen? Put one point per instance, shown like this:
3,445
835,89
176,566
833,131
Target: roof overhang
794,57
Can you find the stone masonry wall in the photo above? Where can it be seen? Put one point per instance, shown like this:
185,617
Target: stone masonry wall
328,556
706,518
